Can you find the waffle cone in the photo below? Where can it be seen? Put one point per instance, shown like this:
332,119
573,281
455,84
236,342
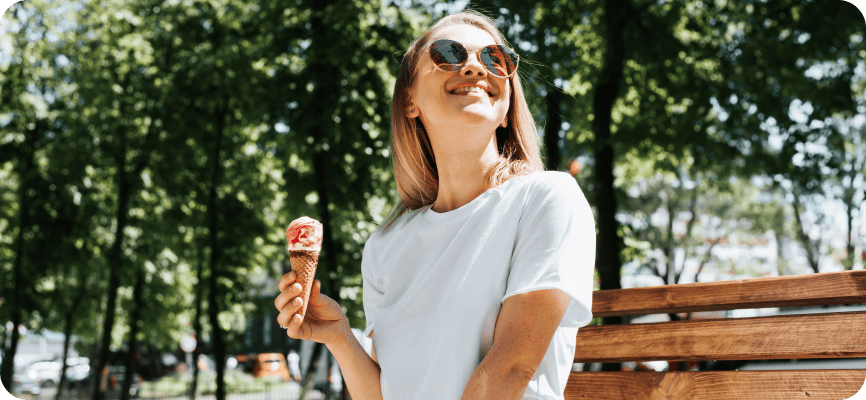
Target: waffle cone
304,264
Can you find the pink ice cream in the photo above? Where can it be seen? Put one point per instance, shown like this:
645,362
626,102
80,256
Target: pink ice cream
304,233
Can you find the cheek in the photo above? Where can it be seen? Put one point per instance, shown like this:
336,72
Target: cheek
505,101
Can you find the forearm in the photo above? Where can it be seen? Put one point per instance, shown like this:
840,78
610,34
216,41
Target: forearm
493,379
359,371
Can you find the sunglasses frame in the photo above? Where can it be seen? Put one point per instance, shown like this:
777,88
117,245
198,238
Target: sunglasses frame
478,56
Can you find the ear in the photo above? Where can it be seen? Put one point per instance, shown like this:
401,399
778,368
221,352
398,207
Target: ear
411,111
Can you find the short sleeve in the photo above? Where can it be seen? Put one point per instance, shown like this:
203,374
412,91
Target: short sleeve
372,290
555,246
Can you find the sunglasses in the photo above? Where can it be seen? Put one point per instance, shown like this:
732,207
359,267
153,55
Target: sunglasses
450,56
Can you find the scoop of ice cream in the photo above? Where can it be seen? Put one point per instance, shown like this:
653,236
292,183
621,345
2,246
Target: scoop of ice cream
304,233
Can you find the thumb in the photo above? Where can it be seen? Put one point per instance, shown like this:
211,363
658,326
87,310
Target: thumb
317,290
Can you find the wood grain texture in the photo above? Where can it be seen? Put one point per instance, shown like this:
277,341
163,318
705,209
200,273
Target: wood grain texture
782,385
831,335
787,291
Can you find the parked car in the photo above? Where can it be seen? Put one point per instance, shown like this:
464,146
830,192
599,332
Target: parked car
23,381
266,365
37,376
77,375
47,372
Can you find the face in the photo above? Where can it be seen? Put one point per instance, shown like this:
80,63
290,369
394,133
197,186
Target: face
441,98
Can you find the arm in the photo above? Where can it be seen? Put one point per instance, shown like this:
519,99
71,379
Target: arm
326,323
523,332
359,370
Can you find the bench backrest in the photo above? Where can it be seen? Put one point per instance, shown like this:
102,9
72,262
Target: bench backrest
801,336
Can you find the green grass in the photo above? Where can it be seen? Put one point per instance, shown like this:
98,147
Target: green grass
178,384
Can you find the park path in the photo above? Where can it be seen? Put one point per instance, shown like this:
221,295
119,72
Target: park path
280,391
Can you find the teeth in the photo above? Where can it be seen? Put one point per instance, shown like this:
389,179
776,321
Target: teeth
468,89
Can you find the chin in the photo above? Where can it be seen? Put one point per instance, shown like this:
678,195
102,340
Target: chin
477,111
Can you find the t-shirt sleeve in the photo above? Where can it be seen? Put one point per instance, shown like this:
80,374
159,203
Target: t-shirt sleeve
555,246
372,290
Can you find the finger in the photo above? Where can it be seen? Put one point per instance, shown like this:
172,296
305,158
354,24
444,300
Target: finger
288,311
281,300
287,295
287,280
293,306
295,329
284,318
317,290
278,302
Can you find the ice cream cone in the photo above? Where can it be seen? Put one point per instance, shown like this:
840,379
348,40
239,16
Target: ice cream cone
304,264
304,238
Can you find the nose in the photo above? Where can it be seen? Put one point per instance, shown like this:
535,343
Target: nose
473,65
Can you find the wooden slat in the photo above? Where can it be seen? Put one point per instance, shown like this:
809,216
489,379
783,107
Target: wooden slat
782,385
831,335
787,291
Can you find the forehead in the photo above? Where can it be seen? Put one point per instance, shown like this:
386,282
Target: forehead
468,35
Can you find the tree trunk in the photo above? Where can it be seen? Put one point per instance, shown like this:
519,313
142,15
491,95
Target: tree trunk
781,264
16,301
217,339
131,359
608,245
552,127
114,262
126,183
805,240
310,373
196,323
322,94
67,335
670,257
3,342
848,263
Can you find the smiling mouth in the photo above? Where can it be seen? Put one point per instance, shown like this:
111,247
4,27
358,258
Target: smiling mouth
465,90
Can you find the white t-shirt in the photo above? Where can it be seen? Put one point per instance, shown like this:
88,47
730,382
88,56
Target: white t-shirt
434,283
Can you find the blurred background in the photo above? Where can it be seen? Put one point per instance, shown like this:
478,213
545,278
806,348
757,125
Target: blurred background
153,152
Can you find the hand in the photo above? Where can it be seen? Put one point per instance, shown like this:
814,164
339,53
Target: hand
324,321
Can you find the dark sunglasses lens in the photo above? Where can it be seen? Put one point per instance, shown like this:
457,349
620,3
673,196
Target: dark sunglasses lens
499,60
448,54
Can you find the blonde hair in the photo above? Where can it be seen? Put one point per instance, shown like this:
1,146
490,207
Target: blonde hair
414,162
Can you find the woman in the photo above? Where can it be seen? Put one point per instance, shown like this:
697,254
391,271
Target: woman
476,284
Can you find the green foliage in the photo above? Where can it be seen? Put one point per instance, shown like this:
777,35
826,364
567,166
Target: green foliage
134,93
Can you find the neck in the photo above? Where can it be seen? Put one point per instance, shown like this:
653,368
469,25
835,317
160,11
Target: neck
463,172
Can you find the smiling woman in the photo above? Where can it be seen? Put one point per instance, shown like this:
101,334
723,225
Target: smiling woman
422,78
476,284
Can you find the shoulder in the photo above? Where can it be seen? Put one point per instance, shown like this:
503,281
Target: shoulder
556,195
545,184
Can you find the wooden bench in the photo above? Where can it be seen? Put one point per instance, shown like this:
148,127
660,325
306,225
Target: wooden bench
783,337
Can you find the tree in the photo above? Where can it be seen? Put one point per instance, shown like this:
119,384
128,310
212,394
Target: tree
675,219
31,118
216,124
331,68
117,76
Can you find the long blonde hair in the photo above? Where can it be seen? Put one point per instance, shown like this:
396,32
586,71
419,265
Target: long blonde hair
414,162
